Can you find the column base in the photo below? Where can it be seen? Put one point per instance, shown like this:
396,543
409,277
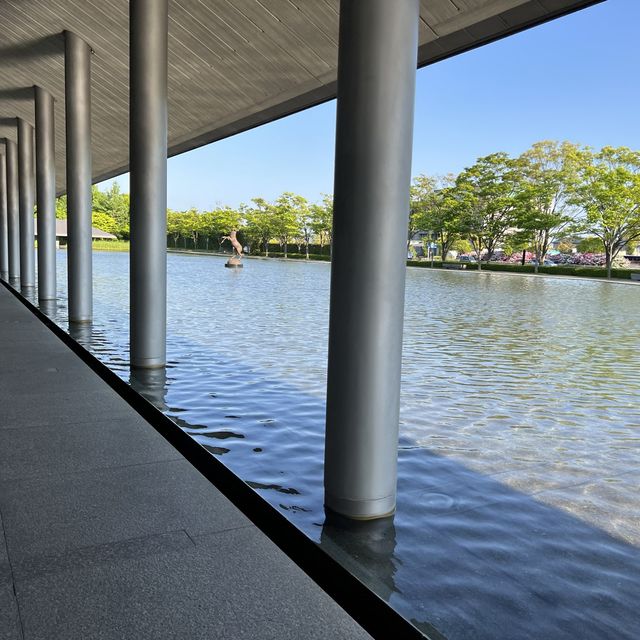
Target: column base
361,509
150,364
48,307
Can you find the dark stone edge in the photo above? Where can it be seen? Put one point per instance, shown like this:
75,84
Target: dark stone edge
377,617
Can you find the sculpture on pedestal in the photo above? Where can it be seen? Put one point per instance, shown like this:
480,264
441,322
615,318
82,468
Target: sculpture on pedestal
235,260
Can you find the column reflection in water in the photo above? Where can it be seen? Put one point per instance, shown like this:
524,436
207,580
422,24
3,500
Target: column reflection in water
365,547
30,294
151,384
49,308
82,333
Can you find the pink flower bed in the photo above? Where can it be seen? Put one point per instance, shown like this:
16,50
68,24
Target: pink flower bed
583,259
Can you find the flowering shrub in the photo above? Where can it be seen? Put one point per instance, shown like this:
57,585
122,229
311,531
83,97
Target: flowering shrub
588,259
516,257
578,259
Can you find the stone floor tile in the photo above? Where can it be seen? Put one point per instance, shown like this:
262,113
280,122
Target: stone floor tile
232,586
57,513
71,448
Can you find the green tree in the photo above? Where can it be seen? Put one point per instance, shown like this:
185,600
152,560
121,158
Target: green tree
461,245
220,222
565,246
608,190
436,208
548,172
259,220
590,245
116,205
418,193
192,226
322,221
209,228
287,211
174,225
486,195
104,222
305,219
61,208
517,242
179,225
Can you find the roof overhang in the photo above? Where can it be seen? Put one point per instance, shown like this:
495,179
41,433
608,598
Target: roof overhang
233,64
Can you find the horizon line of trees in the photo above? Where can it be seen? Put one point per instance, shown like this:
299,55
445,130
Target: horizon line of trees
554,190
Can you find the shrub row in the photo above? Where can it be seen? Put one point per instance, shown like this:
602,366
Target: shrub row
314,249
560,270
293,256
438,264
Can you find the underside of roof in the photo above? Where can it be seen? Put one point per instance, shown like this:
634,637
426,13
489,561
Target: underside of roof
233,64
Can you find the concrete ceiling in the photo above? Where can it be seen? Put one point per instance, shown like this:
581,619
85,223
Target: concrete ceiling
233,64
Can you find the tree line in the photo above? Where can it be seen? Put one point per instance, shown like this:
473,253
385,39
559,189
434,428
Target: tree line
290,219
553,190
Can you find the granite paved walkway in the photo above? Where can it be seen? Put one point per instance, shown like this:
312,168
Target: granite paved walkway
107,532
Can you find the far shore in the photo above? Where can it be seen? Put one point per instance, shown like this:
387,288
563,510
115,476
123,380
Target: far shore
123,246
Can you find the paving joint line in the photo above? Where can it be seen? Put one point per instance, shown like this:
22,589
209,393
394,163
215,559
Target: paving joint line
66,474
13,578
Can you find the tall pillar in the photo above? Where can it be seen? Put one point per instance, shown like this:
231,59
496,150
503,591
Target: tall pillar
13,212
46,194
376,88
148,181
77,67
26,191
4,229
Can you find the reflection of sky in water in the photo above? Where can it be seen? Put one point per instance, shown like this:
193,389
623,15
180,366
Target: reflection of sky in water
511,386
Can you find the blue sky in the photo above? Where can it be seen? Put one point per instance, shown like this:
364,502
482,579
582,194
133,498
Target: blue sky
575,79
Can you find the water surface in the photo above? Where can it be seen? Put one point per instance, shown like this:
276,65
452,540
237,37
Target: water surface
518,510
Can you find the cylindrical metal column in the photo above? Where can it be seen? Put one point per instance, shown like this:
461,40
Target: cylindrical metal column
148,166
77,67
376,87
13,212
4,229
46,194
26,189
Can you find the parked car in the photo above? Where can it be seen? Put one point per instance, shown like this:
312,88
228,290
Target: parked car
466,259
545,263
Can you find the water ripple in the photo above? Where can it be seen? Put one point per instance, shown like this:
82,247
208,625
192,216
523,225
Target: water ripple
518,510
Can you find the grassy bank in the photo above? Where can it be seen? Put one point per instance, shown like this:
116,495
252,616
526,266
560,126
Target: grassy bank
292,256
110,245
560,270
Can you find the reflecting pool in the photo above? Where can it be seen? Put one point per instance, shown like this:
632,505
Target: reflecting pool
518,510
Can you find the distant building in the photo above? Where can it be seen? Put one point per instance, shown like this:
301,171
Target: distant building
417,242
61,232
